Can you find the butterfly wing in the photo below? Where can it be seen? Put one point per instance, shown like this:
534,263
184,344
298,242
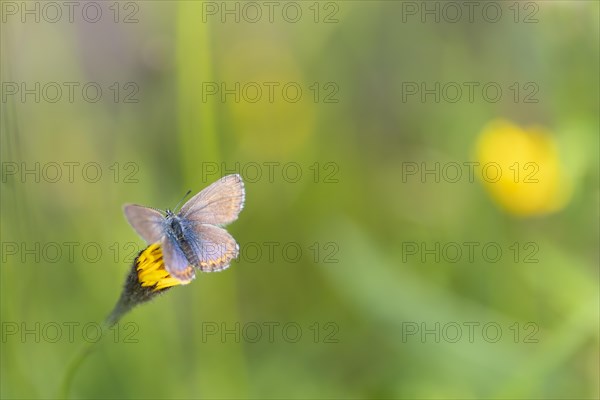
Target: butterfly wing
214,247
218,204
147,222
175,261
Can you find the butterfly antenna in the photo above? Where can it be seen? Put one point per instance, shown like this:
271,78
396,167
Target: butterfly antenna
180,201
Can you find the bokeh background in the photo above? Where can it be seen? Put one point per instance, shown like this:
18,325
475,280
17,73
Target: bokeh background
355,292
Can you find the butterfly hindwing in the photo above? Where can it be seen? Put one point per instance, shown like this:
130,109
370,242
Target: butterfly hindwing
214,248
175,261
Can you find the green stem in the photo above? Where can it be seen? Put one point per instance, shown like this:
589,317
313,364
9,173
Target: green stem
73,367
121,308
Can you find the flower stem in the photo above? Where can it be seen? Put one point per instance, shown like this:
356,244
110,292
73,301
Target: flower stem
121,308
74,365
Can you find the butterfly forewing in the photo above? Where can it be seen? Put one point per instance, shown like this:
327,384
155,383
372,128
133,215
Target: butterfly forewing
218,204
147,222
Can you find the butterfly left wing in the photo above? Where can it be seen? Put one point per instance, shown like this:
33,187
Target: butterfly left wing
214,247
175,261
146,221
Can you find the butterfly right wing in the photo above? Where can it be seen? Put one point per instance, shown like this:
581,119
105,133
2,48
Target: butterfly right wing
147,222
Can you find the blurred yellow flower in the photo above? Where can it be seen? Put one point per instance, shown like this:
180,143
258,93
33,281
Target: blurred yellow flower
521,169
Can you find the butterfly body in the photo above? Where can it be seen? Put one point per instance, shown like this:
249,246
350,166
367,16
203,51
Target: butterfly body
180,233
194,238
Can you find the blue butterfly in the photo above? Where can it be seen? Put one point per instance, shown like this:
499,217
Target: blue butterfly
193,238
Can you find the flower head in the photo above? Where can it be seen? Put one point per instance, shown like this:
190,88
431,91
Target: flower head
146,279
151,272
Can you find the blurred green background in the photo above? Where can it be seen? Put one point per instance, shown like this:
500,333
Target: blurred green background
355,315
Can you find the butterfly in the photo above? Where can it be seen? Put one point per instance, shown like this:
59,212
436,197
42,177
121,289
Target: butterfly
194,237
